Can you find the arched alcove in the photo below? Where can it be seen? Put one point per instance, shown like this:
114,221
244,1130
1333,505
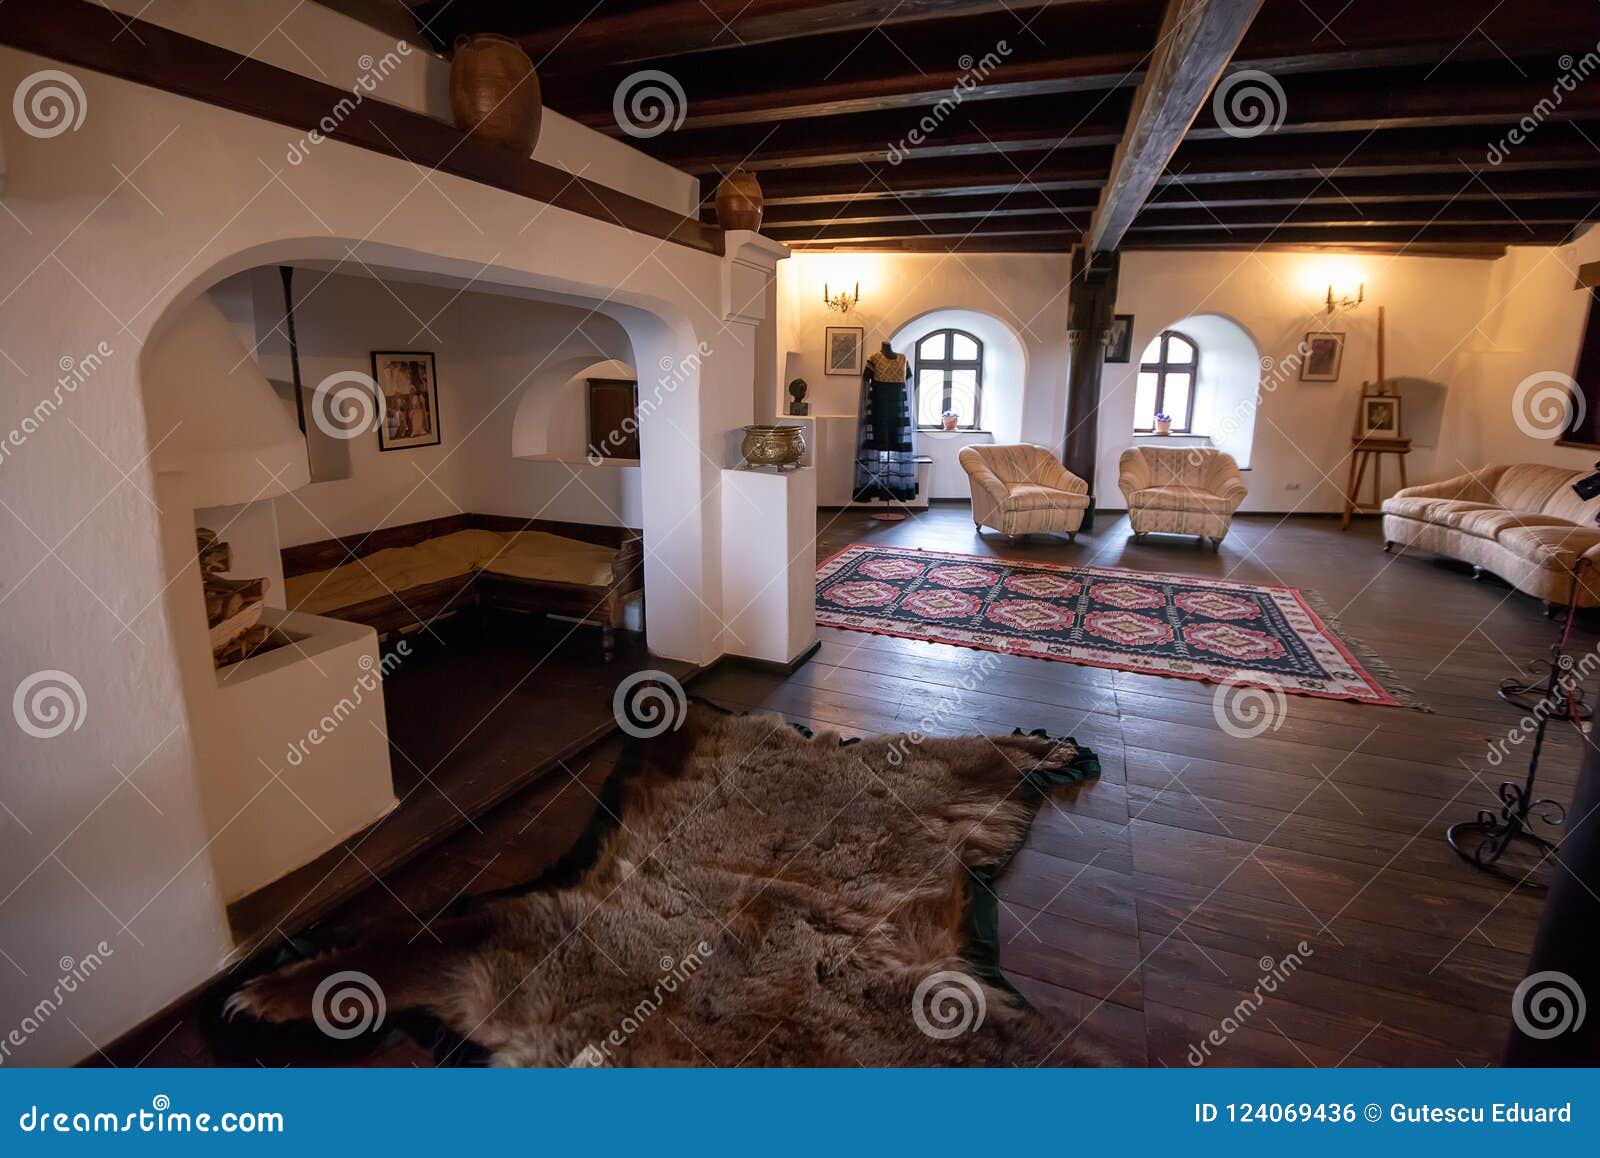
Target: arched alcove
228,455
1227,381
551,415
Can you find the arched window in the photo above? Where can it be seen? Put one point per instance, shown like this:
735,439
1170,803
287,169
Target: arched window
949,376
1166,383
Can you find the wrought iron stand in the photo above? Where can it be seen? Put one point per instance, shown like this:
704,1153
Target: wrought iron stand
1482,842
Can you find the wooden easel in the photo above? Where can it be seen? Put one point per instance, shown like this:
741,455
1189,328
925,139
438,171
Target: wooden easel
1372,450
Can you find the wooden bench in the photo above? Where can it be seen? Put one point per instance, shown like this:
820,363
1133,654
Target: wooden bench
407,608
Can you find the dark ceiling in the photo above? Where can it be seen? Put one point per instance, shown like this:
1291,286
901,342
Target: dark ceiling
1396,115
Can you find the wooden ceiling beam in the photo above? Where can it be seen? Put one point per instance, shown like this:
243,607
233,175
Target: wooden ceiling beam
1058,246
612,33
1335,220
1331,103
1197,39
1064,48
1067,48
1356,195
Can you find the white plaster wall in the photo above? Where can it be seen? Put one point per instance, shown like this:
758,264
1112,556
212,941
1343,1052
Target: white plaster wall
86,260
1533,324
1302,429
496,356
1302,433
335,49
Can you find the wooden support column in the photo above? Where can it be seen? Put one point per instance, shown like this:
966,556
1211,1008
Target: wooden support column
1091,300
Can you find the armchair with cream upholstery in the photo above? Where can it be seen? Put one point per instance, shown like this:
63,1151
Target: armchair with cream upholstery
1021,489
1181,490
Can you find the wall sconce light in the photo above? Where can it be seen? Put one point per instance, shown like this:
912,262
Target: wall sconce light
1347,302
843,301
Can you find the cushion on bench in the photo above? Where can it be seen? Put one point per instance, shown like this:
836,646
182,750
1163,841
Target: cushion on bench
523,555
540,555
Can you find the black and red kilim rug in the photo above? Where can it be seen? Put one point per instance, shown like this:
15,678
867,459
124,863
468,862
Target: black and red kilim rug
1139,621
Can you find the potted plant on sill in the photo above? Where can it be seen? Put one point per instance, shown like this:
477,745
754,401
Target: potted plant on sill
1163,424
949,419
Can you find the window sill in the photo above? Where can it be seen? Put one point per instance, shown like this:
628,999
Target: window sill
957,430
1172,439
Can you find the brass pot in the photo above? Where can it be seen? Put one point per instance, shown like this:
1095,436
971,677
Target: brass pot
739,201
779,446
494,91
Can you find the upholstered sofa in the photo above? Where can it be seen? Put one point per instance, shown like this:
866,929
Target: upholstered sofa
1520,521
1020,489
1181,490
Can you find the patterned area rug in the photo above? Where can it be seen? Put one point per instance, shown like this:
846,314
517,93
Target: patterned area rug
1139,621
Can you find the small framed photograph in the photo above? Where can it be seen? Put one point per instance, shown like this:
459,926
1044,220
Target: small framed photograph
1119,339
410,390
1323,353
841,349
1380,416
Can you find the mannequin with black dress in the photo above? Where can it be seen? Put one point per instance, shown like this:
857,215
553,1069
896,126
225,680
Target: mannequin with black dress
886,467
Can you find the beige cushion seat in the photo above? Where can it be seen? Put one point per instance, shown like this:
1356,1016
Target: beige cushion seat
1179,499
1020,489
395,570
1521,521
1181,490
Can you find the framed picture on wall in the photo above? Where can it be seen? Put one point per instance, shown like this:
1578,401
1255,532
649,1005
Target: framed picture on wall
1380,416
1119,339
841,349
1323,353
410,388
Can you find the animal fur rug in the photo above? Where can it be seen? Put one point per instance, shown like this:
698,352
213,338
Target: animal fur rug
767,899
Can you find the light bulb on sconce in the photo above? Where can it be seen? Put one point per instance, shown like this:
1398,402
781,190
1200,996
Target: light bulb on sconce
1346,302
843,301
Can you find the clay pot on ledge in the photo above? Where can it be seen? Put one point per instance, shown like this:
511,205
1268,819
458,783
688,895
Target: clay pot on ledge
739,201
494,91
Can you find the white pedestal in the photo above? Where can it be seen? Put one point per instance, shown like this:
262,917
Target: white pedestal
297,750
769,588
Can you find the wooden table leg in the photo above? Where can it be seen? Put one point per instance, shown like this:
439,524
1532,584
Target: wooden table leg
1350,492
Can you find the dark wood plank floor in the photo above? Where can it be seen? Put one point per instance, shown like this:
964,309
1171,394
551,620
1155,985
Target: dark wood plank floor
1146,907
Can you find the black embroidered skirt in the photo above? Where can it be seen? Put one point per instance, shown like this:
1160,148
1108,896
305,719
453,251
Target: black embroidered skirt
886,468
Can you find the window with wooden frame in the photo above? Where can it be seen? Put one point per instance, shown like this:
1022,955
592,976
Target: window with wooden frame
1166,383
949,374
